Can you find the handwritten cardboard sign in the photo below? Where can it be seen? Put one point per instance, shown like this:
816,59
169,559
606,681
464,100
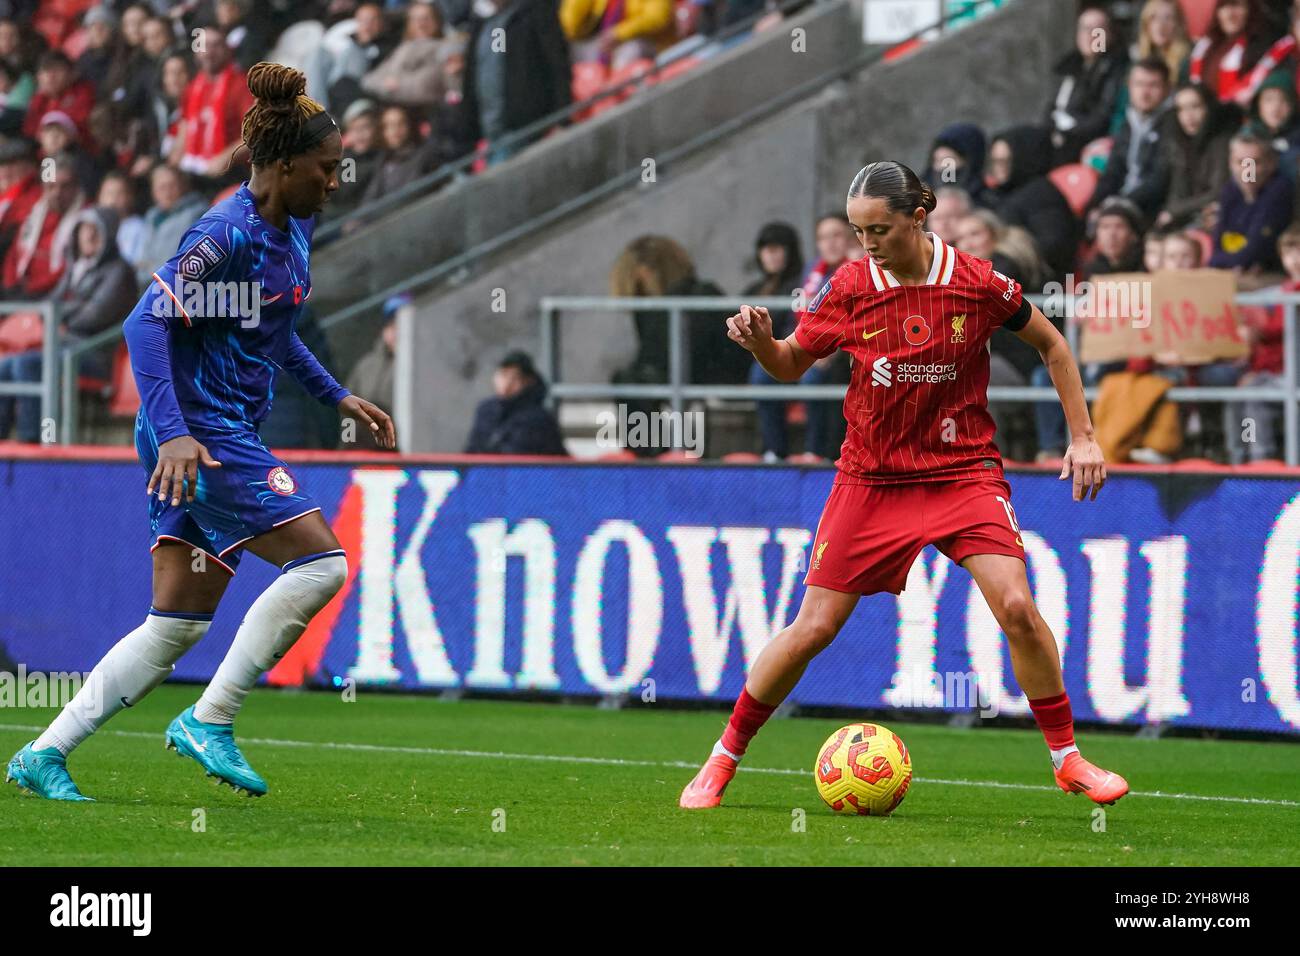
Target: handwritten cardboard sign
1184,317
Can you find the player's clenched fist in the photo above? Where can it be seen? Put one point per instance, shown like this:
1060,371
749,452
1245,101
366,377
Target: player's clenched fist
750,327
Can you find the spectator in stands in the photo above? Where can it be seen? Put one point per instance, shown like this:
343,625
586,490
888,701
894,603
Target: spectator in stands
952,204
57,135
618,32
1273,118
1236,39
1118,239
35,259
16,89
128,80
1022,195
1283,55
1253,208
373,373
1136,168
1195,154
58,89
174,75
1162,33
21,45
1090,77
957,160
1153,250
530,80
248,30
175,208
117,192
1180,250
405,157
515,421
105,53
412,74
1011,249
156,37
367,43
780,262
20,188
212,110
361,145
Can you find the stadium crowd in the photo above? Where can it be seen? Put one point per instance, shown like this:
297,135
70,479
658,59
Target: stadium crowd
1170,151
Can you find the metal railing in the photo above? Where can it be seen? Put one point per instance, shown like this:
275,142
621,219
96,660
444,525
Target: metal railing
47,389
677,391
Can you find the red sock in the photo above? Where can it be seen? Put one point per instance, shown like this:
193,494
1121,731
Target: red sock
748,715
1055,720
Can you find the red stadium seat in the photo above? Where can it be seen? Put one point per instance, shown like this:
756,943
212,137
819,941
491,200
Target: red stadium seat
903,49
742,457
621,455
1076,183
125,400
676,454
1198,14
588,78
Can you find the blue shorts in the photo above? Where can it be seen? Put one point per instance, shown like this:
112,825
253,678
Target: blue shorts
251,493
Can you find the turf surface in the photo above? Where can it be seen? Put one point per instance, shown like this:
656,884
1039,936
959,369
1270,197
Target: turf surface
402,780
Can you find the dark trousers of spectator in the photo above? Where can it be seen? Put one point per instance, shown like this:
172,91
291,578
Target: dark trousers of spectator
21,367
1049,417
771,415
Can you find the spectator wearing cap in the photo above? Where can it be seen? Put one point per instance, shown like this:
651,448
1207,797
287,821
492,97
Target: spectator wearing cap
515,421
373,373
1089,79
16,89
58,136
531,80
1135,168
1196,154
356,46
35,259
20,188
58,89
1254,206
175,208
361,147
618,32
212,110
412,74
957,161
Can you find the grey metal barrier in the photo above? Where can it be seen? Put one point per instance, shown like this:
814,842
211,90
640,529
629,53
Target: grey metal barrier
677,392
47,389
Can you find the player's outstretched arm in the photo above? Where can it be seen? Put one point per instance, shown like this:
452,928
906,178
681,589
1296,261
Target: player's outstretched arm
783,359
1083,459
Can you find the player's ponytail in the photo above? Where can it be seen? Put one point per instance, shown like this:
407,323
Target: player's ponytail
284,121
895,183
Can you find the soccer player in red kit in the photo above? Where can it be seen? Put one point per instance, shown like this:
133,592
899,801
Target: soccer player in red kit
918,465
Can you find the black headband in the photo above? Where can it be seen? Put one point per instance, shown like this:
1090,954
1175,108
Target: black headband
318,127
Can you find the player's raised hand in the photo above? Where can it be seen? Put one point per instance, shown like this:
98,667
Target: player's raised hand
380,423
1083,460
750,327
177,471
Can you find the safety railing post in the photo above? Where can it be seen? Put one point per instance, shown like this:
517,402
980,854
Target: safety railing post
676,358
1291,413
50,367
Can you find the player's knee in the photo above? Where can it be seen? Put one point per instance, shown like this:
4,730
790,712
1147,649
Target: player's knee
1018,615
814,635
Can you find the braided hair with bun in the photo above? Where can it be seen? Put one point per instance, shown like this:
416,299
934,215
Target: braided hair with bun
284,121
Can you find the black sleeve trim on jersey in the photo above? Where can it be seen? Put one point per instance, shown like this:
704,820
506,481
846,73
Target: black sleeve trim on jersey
1021,317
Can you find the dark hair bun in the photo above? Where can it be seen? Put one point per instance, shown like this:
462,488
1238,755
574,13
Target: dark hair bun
276,86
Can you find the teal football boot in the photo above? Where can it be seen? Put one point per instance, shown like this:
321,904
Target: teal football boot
213,747
44,773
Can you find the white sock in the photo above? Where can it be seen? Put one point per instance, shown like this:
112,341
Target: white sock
133,667
1058,756
718,749
272,626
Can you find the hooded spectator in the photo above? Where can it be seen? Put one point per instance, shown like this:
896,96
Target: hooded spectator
35,259
1236,39
175,208
957,160
1136,168
1195,154
98,287
1022,195
515,421
58,89
1089,80
1254,206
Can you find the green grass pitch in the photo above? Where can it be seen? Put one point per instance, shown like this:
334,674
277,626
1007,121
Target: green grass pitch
410,780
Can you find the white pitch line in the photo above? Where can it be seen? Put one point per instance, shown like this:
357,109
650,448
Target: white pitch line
668,764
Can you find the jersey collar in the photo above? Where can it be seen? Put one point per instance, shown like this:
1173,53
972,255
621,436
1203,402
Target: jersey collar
945,259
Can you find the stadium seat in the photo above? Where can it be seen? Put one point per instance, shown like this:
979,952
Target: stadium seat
1206,241
903,49
124,401
1097,153
588,78
676,454
742,457
1076,182
621,455
1197,13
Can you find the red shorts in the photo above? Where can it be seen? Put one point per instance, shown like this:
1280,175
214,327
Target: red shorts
870,535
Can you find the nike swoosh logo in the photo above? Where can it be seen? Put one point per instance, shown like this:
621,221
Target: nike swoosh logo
871,335
201,748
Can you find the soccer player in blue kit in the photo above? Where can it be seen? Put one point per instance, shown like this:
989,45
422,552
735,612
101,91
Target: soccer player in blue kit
207,340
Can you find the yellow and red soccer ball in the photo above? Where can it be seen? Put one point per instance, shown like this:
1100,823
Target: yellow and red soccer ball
863,769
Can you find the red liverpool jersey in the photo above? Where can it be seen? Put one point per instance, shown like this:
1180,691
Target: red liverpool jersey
917,404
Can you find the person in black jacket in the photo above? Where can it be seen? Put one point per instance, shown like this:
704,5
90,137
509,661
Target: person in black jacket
957,159
1022,195
515,77
1136,169
1090,77
515,421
